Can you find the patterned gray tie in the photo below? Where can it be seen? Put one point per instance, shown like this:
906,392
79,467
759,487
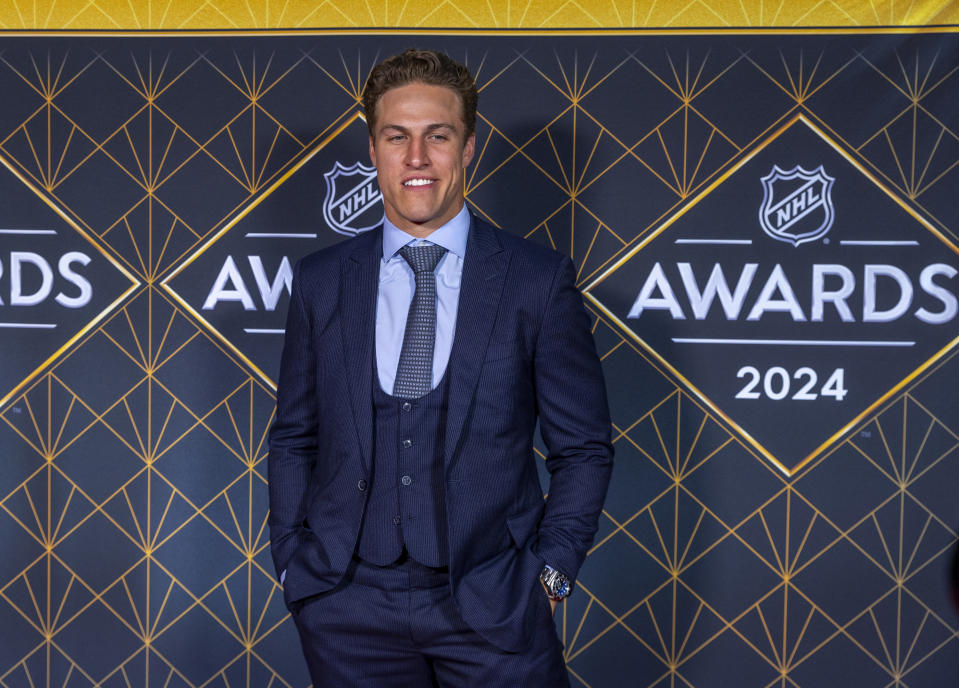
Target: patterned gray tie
414,372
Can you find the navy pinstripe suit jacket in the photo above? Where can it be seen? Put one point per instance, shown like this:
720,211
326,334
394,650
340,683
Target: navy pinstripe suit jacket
522,348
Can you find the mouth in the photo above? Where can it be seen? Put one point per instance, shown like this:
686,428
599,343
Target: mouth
417,182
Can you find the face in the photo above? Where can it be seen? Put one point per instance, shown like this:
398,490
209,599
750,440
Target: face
420,151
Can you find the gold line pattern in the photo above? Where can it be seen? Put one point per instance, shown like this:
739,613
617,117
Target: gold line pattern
114,15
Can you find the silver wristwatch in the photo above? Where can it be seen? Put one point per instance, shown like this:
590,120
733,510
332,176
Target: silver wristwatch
557,585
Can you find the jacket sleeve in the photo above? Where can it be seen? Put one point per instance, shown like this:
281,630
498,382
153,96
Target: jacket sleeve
574,423
292,440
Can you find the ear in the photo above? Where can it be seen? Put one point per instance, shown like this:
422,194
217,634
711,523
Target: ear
469,149
372,152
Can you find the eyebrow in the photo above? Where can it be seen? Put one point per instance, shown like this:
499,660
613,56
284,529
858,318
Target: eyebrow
429,127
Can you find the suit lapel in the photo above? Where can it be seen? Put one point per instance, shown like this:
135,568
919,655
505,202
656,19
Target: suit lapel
358,303
484,271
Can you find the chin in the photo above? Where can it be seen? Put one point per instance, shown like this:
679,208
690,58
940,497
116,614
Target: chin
422,220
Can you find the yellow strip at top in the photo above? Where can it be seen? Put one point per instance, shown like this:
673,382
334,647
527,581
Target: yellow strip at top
243,15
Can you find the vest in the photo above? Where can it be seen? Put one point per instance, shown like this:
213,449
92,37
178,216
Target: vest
406,507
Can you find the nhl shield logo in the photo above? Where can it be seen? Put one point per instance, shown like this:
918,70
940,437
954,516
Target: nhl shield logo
797,204
353,201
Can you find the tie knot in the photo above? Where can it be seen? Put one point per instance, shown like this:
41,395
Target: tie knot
422,258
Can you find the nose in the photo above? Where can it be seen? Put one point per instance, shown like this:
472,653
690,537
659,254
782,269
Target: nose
416,153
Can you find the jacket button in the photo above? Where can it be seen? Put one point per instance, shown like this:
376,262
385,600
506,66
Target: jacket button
361,484
397,520
406,480
407,444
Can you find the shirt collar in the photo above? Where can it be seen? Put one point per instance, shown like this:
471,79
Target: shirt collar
451,236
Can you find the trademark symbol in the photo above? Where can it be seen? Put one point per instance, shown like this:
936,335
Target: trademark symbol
865,433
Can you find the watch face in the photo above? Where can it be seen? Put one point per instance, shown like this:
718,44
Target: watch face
559,585
556,583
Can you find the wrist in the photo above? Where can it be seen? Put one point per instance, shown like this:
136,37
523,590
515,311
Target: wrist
556,584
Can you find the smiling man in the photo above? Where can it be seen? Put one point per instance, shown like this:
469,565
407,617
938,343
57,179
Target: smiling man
420,148
407,521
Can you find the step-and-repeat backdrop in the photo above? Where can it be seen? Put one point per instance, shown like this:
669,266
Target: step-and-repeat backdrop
765,228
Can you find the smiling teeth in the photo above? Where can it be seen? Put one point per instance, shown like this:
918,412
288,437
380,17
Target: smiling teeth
417,182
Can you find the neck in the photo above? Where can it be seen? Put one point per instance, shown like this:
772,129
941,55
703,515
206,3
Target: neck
421,231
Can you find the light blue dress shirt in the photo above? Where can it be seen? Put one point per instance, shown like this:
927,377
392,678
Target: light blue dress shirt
397,284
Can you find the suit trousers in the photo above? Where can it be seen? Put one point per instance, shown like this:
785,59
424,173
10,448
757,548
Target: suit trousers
397,625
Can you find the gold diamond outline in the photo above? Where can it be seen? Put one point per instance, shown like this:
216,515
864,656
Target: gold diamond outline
750,440
134,286
350,119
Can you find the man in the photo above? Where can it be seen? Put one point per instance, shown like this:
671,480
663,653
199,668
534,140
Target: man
407,520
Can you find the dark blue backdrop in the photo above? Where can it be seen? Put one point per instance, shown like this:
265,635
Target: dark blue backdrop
160,187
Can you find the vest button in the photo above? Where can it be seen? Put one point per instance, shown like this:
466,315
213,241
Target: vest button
407,406
397,520
361,484
406,480
407,444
